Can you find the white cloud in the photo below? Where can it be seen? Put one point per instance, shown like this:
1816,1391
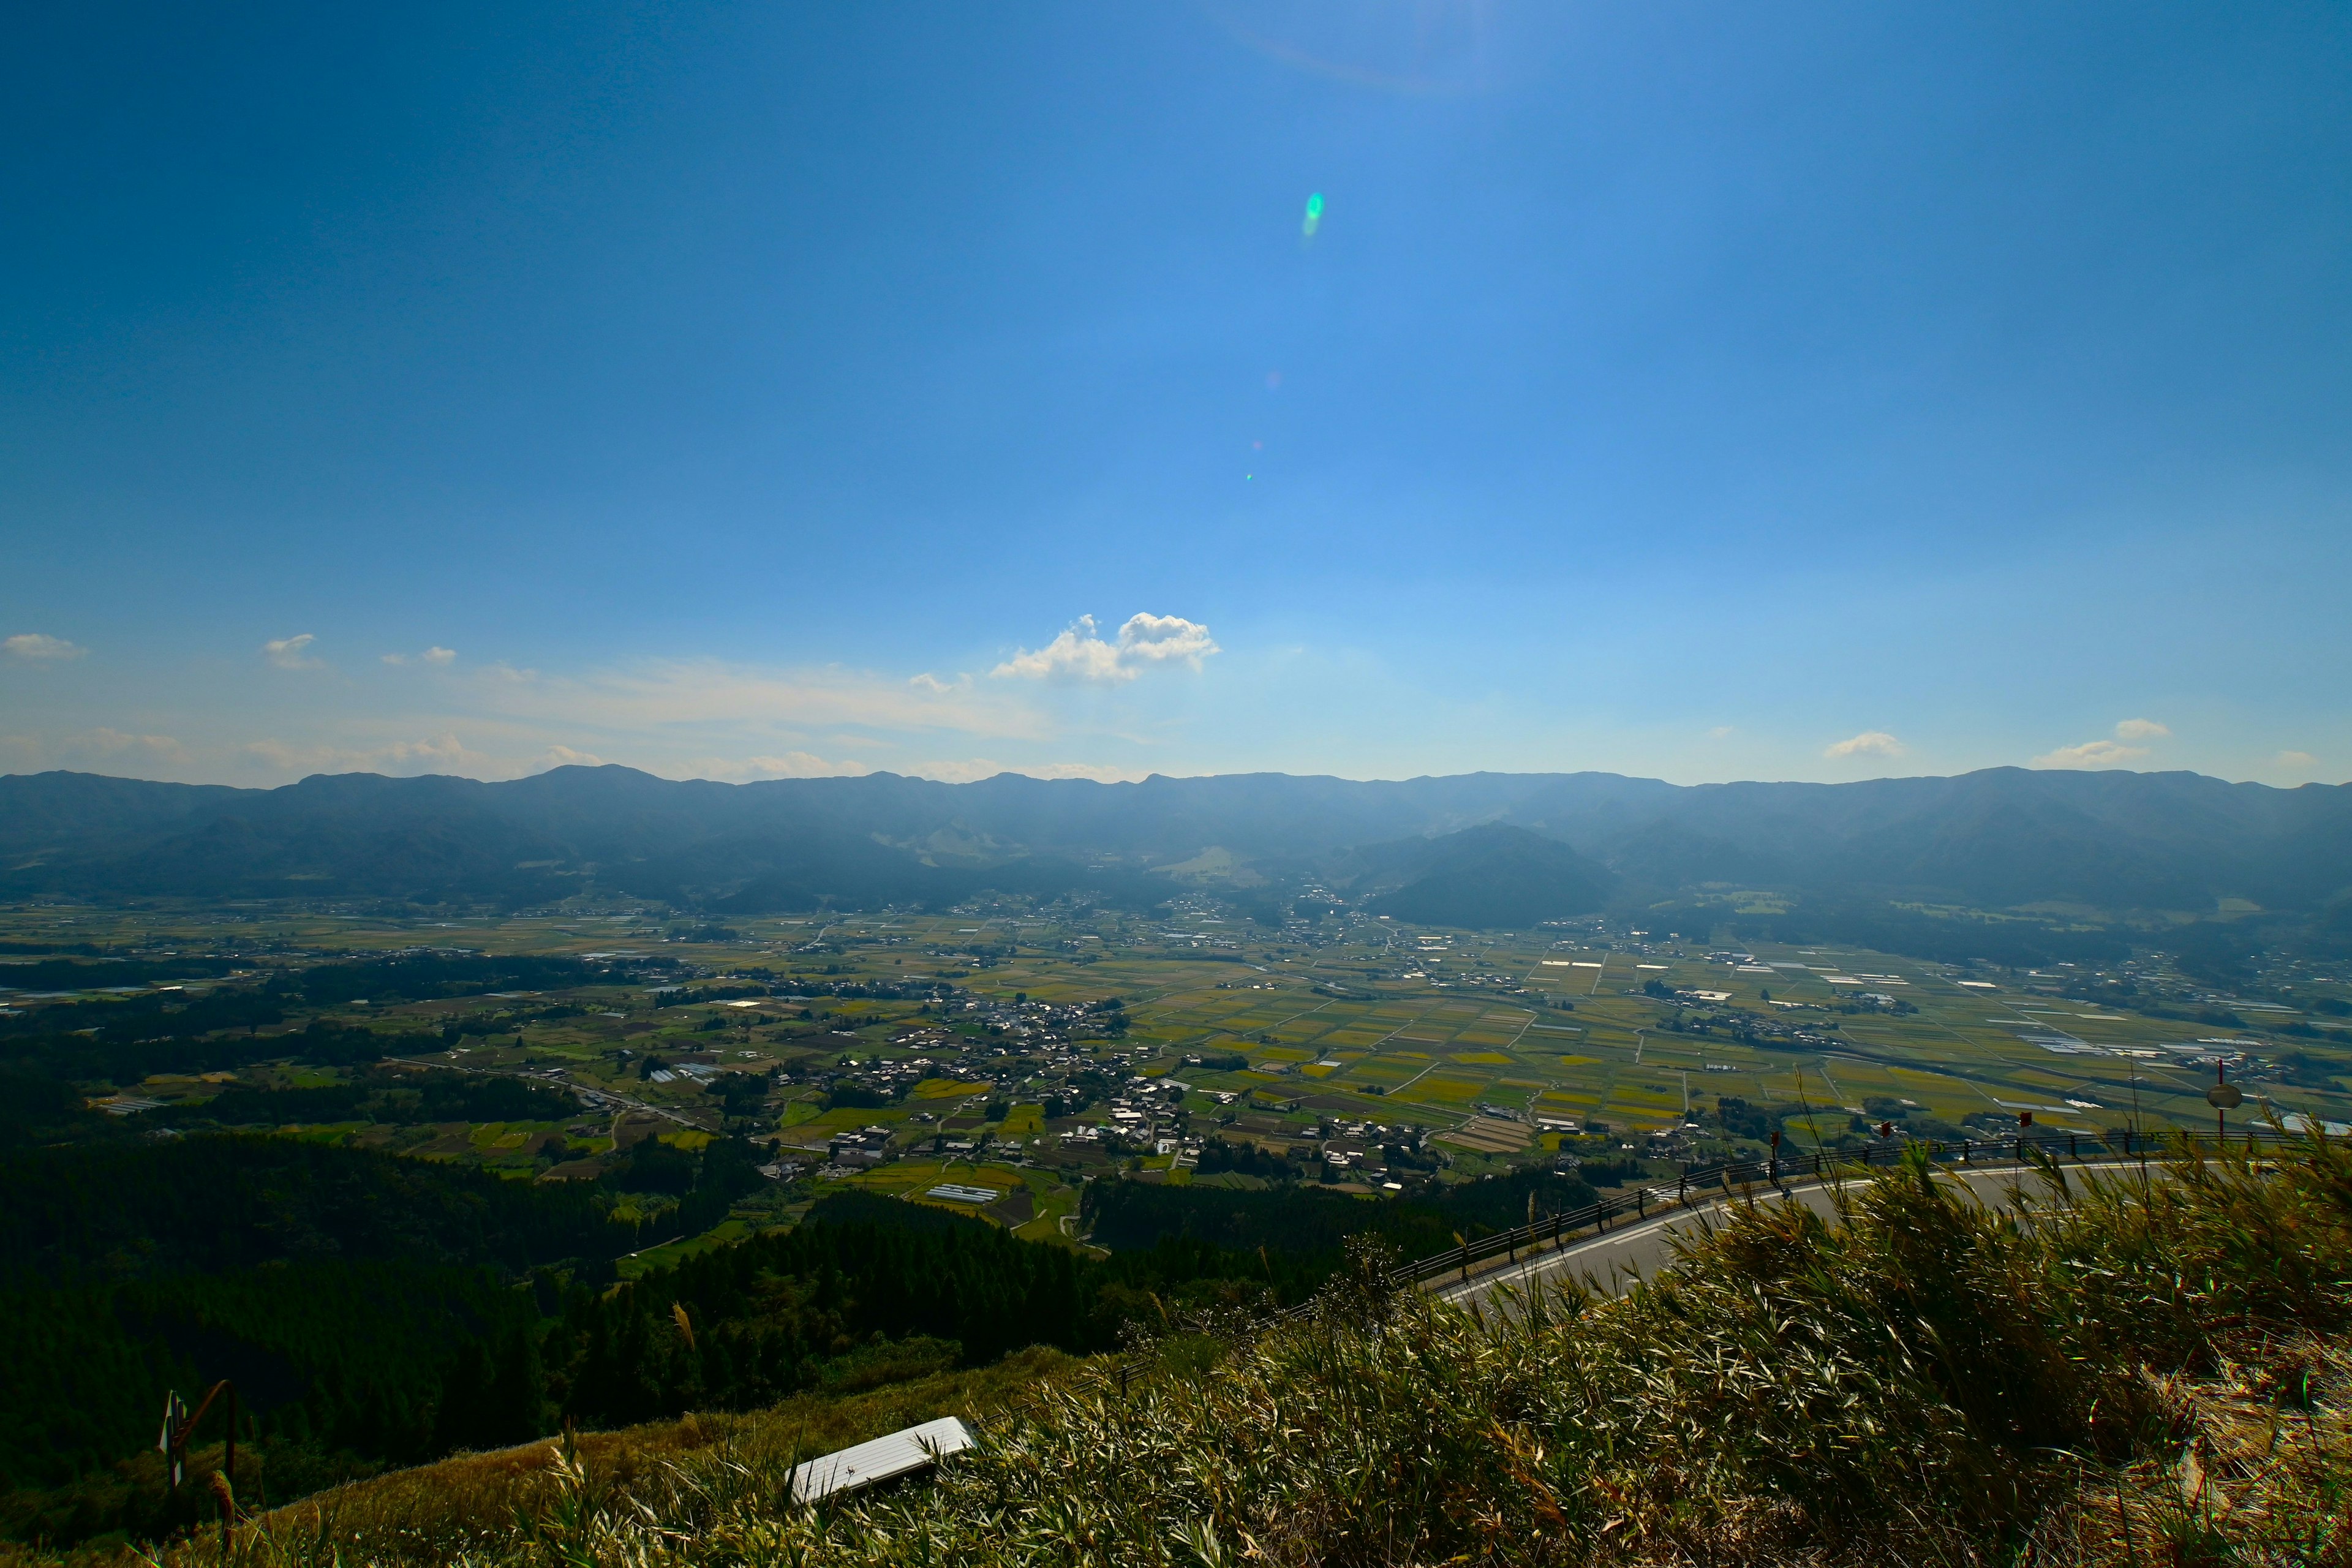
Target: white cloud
2091,754
1869,743
1721,732
1081,654
101,749
1076,655
565,757
666,697
430,655
291,653
2295,761
40,648
2112,753
446,754
971,769
965,772
1099,772
112,742
787,766
927,681
1157,639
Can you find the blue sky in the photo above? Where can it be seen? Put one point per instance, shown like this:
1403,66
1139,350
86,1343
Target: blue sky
1698,391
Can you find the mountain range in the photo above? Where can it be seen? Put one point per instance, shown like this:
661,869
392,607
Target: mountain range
1468,849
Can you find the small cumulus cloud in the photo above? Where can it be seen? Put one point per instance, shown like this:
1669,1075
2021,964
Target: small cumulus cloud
291,653
1869,743
37,648
931,683
2091,754
565,757
1081,653
1161,639
2112,753
430,655
2295,761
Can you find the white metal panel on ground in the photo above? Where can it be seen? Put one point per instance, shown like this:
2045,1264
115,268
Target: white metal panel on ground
883,1459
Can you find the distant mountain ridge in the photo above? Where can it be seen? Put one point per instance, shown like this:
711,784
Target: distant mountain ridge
1997,839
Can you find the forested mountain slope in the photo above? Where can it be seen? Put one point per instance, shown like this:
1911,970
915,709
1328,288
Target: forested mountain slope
1995,839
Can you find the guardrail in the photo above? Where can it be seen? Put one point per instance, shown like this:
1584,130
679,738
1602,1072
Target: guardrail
1819,1165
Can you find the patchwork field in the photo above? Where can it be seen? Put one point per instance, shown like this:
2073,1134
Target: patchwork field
1366,1020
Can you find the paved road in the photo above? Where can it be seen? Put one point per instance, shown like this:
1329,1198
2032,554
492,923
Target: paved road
562,1083
1613,1260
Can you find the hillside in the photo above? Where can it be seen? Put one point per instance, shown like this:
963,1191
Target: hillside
1997,838
1488,877
2142,1373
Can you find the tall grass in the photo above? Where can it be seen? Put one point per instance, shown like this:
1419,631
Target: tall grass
2116,1371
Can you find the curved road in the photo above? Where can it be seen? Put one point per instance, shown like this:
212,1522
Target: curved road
1613,1261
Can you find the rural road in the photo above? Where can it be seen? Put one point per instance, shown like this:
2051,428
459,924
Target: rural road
1612,1261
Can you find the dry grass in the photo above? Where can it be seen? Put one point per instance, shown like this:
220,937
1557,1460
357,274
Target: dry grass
2127,1375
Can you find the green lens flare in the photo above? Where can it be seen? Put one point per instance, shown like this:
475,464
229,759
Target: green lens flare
1314,215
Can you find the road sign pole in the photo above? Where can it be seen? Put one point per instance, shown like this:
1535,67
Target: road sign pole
2221,1096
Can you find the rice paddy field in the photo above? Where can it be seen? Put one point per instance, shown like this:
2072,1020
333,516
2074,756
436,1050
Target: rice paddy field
1355,1019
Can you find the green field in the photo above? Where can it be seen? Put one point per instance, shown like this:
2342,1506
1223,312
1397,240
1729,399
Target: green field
1368,1021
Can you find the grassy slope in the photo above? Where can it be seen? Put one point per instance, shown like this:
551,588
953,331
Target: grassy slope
469,1503
2130,1374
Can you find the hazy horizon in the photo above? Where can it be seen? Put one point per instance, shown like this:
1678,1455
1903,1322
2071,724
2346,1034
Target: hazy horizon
1273,773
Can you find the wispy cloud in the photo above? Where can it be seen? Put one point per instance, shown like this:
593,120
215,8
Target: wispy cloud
114,742
98,751
784,765
38,648
971,769
2112,753
1869,743
441,754
291,653
1080,653
2091,754
430,655
2295,761
663,698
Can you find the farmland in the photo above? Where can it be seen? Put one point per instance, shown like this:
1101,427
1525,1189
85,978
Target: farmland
982,1033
